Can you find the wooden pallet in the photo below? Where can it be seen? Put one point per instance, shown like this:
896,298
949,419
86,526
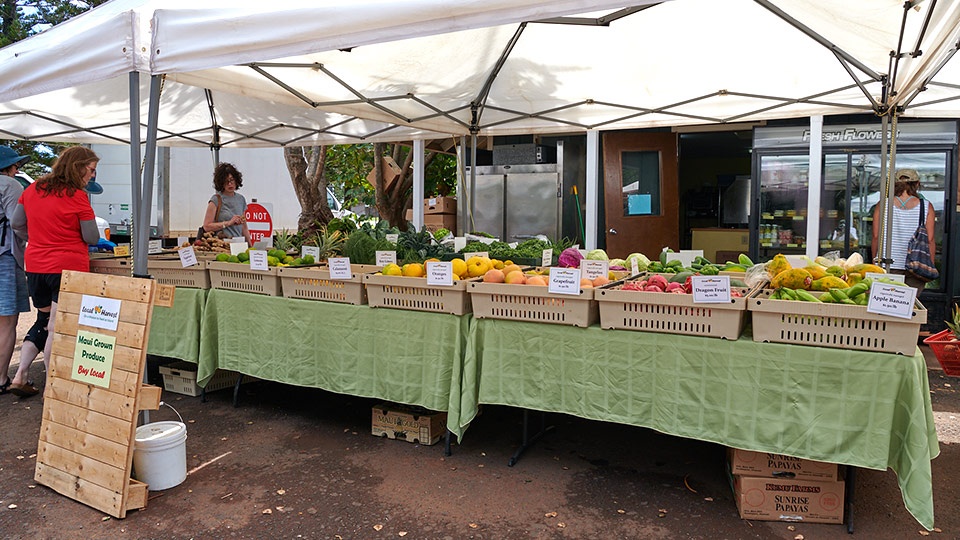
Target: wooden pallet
88,431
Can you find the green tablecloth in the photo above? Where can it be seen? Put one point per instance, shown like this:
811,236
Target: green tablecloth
175,331
865,409
399,356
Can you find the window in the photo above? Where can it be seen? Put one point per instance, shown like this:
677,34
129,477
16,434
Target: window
641,183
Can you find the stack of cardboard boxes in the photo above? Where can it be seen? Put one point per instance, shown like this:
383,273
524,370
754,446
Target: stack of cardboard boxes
438,212
774,487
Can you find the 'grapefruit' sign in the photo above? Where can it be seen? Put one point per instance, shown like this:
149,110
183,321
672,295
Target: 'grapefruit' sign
259,222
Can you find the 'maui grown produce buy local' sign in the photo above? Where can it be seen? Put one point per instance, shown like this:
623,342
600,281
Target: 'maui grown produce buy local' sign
93,358
259,222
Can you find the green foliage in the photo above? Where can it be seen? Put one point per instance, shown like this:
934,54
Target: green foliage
362,246
528,249
416,246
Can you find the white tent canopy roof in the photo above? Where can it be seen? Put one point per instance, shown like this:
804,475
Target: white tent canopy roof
252,74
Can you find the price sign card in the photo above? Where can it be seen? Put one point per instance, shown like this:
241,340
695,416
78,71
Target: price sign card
564,280
892,277
547,258
386,257
711,289
340,268
892,300
440,273
686,256
121,250
591,269
393,238
154,246
459,242
310,250
258,259
466,256
187,256
181,240
237,248
634,266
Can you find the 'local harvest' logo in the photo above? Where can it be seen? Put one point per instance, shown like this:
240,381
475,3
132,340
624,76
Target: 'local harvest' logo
98,310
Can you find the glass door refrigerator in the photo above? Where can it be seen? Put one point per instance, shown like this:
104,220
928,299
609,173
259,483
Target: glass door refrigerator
782,205
849,192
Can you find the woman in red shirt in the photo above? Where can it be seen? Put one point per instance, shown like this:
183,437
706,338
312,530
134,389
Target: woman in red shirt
56,211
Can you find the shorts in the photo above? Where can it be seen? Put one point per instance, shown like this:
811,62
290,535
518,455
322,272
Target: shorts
44,288
13,287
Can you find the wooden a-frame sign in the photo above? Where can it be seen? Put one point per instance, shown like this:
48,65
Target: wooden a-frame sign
88,431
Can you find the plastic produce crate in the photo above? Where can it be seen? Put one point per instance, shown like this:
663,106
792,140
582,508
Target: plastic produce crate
181,378
533,303
172,272
838,326
116,266
671,313
314,283
239,277
412,293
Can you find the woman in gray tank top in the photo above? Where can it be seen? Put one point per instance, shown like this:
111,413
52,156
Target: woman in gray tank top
229,222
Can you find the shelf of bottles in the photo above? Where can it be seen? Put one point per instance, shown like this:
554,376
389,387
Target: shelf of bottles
782,227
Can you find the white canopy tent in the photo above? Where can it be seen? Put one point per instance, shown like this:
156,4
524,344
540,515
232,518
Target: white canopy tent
240,73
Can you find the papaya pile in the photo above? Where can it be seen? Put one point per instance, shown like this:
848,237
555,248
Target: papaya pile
840,281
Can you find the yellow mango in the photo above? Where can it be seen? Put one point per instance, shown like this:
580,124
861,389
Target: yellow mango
828,282
866,267
816,271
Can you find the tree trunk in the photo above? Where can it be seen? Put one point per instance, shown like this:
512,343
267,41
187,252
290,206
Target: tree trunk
307,172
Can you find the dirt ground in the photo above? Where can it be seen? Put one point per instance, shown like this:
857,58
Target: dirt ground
293,462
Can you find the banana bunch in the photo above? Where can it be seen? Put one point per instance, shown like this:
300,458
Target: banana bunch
853,295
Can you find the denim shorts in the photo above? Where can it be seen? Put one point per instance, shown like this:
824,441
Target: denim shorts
13,287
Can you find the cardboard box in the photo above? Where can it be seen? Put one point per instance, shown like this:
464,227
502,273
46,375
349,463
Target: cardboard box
440,205
410,424
436,221
781,499
391,171
768,465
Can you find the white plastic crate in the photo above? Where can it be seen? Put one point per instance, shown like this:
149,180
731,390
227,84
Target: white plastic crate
181,378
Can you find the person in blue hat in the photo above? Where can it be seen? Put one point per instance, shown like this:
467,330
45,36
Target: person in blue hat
13,282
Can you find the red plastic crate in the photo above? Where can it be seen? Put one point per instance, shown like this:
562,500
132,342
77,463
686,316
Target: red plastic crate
947,351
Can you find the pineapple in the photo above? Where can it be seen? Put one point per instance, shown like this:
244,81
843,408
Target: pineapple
285,240
329,242
954,325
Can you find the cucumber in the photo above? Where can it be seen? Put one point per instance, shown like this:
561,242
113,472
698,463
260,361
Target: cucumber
679,277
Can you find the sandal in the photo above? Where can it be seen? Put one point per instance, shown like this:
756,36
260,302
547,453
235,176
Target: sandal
24,390
5,388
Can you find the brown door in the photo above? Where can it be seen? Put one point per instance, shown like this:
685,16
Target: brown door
640,193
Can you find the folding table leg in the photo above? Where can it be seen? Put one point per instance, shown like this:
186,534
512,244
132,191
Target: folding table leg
848,504
528,441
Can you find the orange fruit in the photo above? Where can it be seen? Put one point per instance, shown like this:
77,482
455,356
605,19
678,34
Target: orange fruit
412,270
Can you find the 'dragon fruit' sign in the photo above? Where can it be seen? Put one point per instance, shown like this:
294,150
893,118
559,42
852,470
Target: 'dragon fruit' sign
259,221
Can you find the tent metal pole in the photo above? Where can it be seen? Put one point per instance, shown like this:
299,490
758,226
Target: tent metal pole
418,181
886,211
142,229
473,182
814,185
134,94
592,189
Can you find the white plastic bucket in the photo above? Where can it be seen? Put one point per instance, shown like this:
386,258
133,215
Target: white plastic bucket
160,455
